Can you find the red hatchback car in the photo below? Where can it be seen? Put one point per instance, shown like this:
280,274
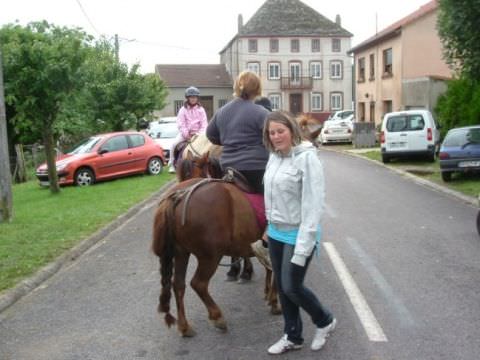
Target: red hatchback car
106,156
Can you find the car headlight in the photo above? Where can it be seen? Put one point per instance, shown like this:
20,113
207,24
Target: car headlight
62,167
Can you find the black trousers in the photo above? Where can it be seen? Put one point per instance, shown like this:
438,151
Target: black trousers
255,179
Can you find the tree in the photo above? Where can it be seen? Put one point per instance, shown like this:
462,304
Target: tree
5,179
42,63
458,22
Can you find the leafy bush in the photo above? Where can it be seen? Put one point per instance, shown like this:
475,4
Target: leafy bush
460,105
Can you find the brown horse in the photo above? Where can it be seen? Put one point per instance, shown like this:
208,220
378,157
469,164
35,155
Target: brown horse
182,227
310,128
208,166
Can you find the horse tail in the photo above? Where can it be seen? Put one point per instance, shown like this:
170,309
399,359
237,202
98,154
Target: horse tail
164,247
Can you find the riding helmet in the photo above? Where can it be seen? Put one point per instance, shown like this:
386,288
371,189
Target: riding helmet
192,91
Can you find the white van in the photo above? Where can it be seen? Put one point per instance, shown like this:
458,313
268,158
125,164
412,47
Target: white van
408,133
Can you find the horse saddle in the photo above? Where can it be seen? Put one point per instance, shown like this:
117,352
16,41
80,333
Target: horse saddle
235,177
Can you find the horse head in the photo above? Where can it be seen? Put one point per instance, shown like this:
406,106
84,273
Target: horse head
198,167
310,128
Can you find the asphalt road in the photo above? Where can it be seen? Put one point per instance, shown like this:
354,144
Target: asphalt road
399,268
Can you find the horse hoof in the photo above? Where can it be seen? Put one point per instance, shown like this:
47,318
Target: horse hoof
231,278
189,333
220,324
245,278
275,311
243,281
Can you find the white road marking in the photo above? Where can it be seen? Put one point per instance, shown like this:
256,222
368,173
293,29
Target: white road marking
367,318
404,318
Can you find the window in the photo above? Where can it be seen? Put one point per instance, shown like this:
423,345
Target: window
116,143
137,140
336,69
317,103
295,72
336,101
316,69
387,106
361,69
222,102
275,100
361,111
336,45
177,104
387,62
405,123
273,45
274,71
254,67
372,67
252,45
315,45
294,45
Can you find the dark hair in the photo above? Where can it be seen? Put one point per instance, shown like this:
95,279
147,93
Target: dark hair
265,102
283,118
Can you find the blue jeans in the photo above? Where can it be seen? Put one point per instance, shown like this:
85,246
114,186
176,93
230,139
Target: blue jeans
292,292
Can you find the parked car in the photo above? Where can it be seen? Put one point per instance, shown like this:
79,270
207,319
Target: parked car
164,133
409,133
336,131
342,115
460,151
106,156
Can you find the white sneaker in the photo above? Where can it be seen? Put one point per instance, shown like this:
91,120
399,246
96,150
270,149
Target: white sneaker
283,345
171,169
321,335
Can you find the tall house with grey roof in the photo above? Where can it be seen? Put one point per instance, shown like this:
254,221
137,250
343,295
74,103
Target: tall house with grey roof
300,55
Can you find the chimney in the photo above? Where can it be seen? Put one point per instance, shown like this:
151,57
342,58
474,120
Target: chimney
338,20
240,22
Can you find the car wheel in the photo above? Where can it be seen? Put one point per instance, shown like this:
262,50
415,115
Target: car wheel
155,166
385,159
431,156
84,177
446,176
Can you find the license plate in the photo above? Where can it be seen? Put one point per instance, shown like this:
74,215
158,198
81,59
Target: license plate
44,183
465,164
339,131
397,145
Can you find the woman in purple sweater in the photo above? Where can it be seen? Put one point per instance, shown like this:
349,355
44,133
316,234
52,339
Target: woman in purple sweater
238,127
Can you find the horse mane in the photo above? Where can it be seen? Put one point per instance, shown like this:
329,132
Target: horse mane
199,166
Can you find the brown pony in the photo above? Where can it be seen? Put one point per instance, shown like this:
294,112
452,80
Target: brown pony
182,227
208,166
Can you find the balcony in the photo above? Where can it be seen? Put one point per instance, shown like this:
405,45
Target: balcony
296,83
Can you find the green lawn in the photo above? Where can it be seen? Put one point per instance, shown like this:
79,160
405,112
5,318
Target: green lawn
45,225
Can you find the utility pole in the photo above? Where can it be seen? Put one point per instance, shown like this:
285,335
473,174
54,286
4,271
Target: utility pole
6,209
117,48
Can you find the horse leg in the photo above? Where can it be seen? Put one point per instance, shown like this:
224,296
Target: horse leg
232,274
205,270
247,272
272,293
181,265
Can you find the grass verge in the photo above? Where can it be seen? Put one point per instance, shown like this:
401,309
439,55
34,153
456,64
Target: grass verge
45,225
468,184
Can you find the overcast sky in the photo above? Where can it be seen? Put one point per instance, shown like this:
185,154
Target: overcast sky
188,31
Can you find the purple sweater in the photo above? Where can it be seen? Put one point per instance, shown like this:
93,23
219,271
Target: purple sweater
238,127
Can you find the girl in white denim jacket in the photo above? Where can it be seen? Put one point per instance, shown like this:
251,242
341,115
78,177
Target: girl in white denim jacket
294,199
